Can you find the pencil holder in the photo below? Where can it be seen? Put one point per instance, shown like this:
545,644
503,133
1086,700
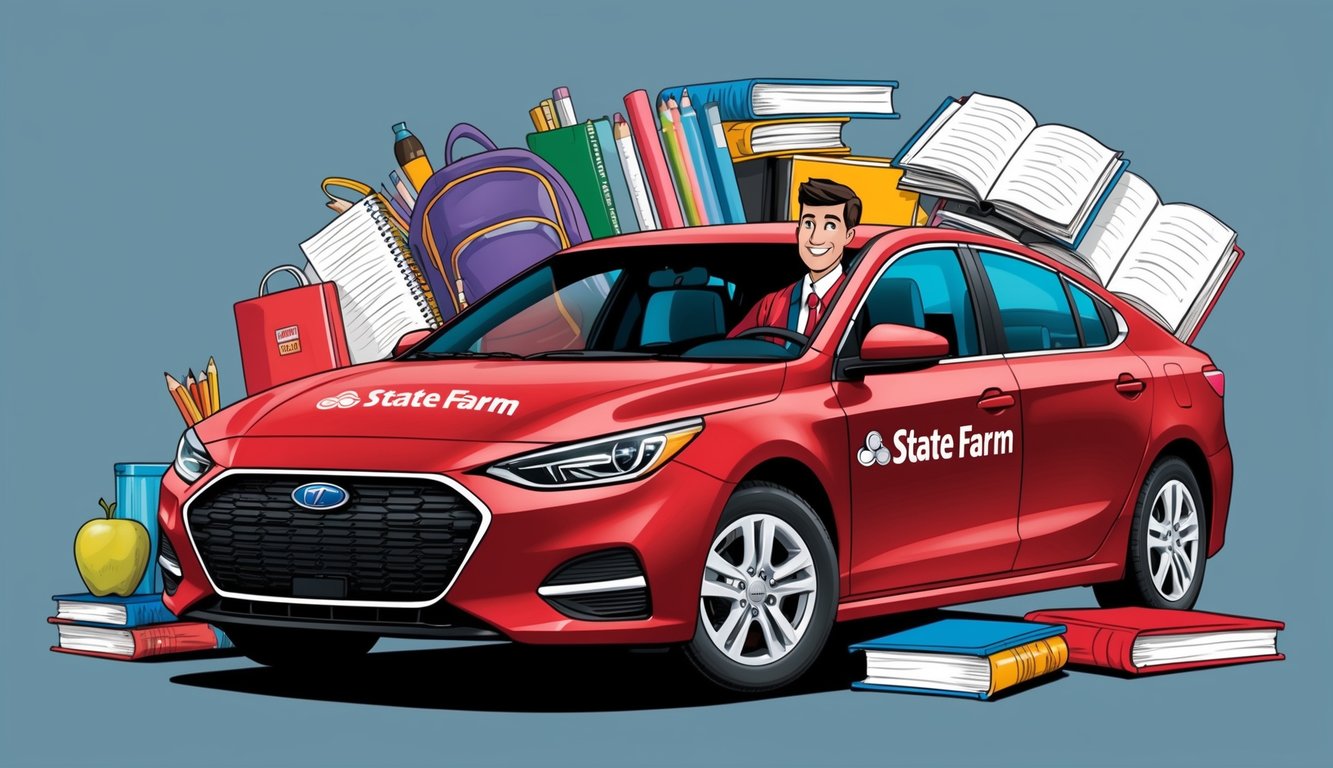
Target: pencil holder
138,487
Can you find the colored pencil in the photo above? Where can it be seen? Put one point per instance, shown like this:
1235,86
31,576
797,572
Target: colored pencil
673,156
682,142
213,397
182,398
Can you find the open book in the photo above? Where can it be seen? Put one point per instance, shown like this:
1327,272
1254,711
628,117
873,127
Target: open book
1050,178
382,292
1171,260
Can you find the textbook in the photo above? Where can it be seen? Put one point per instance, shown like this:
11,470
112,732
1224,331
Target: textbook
1169,259
770,98
805,135
576,153
769,187
136,643
381,290
972,658
1145,640
113,610
1049,178
616,174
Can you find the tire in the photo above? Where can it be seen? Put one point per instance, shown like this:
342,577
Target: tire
769,591
299,648
1168,543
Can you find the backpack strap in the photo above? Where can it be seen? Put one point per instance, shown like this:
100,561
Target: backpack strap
465,131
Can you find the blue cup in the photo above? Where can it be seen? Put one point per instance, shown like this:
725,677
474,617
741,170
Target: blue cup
138,487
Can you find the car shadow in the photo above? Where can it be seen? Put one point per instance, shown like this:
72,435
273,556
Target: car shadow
508,677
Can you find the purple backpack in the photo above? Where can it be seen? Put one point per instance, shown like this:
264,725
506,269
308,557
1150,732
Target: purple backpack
482,219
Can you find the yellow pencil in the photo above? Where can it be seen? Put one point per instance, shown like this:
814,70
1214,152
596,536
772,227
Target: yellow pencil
213,398
182,398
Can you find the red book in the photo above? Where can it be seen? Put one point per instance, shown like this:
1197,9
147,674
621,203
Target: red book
139,642
656,172
1145,640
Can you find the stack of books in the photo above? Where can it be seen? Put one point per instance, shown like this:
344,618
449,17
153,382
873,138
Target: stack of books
719,153
1066,195
128,628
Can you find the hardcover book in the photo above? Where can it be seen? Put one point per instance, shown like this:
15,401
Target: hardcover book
576,153
1144,640
970,658
771,98
113,610
136,643
778,137
1050,178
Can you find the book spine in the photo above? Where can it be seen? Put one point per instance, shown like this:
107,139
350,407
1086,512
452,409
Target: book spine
1013,666
738,139
603,181
1104,647
733,98
182,637
143,614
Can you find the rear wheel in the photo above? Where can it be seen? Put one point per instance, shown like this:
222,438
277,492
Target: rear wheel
299,648
1167,545
768,594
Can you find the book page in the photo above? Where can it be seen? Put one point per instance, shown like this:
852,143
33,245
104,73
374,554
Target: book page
1170,262
974,143
1054,174
378,306
1120,220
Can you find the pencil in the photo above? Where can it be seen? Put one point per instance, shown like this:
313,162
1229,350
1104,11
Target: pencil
192,389
213,398
205,405
187,409
694,190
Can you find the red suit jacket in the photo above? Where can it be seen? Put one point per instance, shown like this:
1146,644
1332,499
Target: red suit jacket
781,309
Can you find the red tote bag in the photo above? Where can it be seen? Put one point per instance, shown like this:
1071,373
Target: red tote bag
290,334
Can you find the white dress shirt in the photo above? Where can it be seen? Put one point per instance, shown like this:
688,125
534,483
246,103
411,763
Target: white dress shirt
819,288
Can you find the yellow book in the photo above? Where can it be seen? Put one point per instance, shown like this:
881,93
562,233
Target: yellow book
874,180
765,138
956,672
1026,662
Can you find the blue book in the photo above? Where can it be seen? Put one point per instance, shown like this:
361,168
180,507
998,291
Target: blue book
113,610
968,658
703,164
722,168
773,98
615,175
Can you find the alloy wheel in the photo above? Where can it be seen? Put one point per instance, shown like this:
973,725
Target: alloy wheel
1173,540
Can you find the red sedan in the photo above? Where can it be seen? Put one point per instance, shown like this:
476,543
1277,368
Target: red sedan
585,456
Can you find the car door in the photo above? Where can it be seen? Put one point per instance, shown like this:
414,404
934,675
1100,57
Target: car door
936,451
1087,406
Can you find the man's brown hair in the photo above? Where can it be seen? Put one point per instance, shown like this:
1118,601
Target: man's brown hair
829,192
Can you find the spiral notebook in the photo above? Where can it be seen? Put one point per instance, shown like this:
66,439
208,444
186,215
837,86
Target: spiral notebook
382,291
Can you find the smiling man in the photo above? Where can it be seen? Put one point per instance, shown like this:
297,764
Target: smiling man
829,214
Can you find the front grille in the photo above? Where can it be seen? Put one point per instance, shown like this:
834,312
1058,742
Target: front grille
397,539
170,582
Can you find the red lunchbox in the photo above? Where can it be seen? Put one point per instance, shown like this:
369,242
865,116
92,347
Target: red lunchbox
290,334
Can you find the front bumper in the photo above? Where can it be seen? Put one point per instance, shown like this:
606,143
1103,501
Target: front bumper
666,521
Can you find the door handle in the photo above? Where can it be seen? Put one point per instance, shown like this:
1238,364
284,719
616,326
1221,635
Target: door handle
995,400
1128,385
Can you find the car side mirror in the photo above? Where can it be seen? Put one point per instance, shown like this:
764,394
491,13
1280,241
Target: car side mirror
409,340
892,347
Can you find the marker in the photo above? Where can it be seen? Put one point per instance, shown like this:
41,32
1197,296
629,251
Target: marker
564,106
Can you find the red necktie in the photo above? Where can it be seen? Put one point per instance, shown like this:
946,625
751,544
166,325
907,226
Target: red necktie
812,301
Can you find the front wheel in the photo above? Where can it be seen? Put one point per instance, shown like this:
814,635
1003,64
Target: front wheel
1167,543
769,591
298,648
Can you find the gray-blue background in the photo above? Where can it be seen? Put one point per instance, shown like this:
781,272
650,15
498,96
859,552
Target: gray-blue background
157,160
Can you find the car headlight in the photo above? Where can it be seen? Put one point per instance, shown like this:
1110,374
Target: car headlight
192,459
605,460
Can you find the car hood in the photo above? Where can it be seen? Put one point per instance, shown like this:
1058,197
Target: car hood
520,401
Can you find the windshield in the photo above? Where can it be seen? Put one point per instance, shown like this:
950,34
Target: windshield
628,303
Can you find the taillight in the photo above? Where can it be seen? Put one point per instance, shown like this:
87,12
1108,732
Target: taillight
1216,379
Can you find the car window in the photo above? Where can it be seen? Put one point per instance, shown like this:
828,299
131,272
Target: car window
1090,320
924,289
1034,309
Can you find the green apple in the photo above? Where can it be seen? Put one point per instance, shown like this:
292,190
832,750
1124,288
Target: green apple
111,554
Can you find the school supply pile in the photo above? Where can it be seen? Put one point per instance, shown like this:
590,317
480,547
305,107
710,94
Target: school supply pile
127,620
1065,194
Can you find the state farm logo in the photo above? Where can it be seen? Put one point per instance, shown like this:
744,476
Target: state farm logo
874,451
910,448
457,399
347,399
